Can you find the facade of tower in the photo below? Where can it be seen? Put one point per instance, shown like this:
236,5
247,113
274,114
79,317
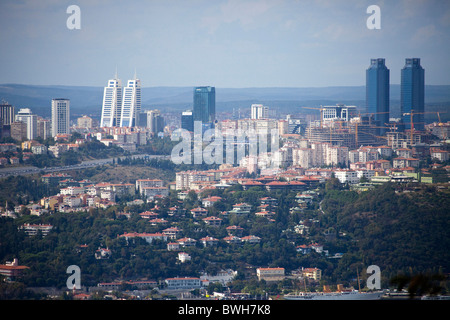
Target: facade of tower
155,121
187,120
131,104
258,111
412,96
6,113
205,106
112,104
60,116
377,92
26,116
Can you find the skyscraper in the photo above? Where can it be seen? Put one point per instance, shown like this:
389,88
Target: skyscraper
44,128
377,92
187,120
258,111
60,116
155,122
131,103
26,116
112,103
412,96
6,113
205,106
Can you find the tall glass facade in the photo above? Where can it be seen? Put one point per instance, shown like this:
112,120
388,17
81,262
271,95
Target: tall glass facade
131,104
187,121
412,94
377,92
112,104
205,106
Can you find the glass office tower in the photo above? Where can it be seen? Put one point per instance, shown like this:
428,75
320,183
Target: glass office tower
412,96
187,120
205,106
131,104
377,93
112,104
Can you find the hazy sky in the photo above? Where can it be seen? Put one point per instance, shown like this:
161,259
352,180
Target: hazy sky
222,43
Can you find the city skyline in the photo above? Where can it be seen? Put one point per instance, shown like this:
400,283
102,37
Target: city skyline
234,44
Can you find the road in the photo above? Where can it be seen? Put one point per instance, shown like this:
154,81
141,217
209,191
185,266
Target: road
17,171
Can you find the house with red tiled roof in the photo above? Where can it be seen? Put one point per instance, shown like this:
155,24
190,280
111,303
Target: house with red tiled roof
209,201
148,215
285,185
199,212
235,230
172,232
187,242
252,183
12,270
265,214
209,241
212,221
241,208
149,237
251,239
232,239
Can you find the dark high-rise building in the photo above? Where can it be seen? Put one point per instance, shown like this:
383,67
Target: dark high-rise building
187,120
155,121
377,92
6,113
205,106
412,96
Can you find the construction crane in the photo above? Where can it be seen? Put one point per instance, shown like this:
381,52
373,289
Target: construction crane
372,113
321,113
411,114
356,123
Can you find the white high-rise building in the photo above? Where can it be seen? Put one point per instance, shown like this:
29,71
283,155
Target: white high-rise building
131,103
60,116
258,111
112,103
26,116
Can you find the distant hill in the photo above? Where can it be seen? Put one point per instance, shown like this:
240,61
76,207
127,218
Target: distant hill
88,100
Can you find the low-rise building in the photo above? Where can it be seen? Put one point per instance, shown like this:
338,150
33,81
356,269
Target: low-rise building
312,273
183,283
12,270
183,257
209,241
33,229
270,274
187,242
212,221
199,212
149,237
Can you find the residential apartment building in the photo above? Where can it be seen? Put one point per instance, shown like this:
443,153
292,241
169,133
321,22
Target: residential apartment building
346,176
312,273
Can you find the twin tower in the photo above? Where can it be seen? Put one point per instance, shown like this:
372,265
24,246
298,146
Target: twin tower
412,94
121,106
